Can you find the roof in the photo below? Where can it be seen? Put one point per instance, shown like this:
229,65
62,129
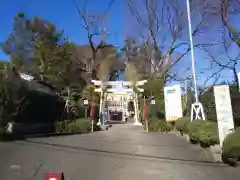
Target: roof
38,85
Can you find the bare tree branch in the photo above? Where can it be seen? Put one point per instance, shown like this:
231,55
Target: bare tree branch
225,19
171,15
92,23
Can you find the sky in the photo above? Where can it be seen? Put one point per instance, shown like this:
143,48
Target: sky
64,15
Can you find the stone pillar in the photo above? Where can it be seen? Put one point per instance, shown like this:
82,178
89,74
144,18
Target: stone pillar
136,120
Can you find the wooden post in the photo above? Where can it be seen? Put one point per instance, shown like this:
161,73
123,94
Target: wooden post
145,114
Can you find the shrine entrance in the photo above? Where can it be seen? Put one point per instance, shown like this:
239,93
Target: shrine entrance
115,97
116,104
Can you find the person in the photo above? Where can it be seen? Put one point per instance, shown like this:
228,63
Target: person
105,116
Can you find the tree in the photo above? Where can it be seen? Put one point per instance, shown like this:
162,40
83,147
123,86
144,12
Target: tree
89,92
13,92
155,87
19,44
131,72
52,56
67,70
92,24
226,55
159,55
230,7
227,59
164,47
32,43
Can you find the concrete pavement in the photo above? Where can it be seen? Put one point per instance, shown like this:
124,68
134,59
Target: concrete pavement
124,152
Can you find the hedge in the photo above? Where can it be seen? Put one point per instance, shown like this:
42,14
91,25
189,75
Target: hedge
181,124
231,148
193,130
1,132
199,131
158,125
75,126
208,133
80,126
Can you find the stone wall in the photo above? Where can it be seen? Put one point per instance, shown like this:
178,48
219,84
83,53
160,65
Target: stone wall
28,128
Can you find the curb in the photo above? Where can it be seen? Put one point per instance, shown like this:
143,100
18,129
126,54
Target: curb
215,150
50,134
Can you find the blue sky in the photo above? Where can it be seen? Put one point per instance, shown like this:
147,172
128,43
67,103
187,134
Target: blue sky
64,15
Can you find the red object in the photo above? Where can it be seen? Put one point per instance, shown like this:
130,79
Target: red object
145,112
54,176
92,112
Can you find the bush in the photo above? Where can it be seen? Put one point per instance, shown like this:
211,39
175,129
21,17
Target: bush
231,148
157,125
1,132
75,126
193,130
61,126
80,126
208,133
181,124
199,131
5,136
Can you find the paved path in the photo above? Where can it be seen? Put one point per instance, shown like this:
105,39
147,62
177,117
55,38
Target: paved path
124,152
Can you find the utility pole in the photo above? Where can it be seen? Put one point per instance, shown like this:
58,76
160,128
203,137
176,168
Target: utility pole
197,111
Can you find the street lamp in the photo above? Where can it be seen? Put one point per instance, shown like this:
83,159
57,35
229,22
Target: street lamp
196,107
85,103
152,100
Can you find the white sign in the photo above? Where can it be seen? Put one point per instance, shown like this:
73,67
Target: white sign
173,102
224,111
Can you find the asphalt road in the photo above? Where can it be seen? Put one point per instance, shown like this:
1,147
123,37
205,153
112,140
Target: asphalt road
124,152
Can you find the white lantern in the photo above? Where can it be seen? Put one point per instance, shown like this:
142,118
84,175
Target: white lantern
152,100
85,102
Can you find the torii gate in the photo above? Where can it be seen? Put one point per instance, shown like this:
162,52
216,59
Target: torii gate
121,89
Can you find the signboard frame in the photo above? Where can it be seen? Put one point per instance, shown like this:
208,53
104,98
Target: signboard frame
173,103
223,111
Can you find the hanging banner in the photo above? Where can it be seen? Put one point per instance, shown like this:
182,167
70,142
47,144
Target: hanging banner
224,111
173,102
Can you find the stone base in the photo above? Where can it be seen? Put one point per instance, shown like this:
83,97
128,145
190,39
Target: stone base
104,127
216,152
137,123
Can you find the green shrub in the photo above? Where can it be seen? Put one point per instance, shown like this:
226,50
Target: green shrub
72,125
181,124
156,125
208,133
193,129
5,136
1,132
80,126
149,121
61,126
231,148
